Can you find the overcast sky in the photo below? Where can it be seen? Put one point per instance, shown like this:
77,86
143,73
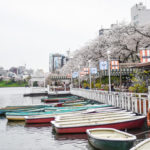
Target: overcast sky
31,29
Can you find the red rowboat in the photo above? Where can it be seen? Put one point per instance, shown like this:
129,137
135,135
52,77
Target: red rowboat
118,123
39,118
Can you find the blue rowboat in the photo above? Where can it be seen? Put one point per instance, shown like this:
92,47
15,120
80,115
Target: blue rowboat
66,97
23,108
50,110
17,117
21,115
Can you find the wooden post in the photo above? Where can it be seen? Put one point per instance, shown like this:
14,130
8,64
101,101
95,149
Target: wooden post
148,97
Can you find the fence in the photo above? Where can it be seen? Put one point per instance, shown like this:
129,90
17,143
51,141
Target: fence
135,102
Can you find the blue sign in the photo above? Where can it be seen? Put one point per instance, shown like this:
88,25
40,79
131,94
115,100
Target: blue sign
75,74
103,65
93,70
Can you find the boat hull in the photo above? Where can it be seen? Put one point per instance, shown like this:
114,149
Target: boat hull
144,145
121,125
110,145
15,118
39,120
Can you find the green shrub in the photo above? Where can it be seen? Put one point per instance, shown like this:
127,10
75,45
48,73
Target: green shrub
138,88
106,87
98,85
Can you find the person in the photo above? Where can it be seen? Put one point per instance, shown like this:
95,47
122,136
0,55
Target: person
112,88
86,87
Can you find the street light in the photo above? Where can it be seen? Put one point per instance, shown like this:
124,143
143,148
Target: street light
90,72
79,75
71,80
70,58
108,54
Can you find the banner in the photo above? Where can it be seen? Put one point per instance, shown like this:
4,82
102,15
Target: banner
86,70
114,65
103,65
145,56
82,73
93,70
75,74
68,75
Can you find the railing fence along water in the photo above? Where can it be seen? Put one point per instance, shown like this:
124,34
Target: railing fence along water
135,102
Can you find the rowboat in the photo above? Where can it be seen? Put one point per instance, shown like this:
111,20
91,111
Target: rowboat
50,98
21,116
40,116
127,122
105,106
49,110
110,139
75,104
49,117
93,116
53,100
19,109
144,145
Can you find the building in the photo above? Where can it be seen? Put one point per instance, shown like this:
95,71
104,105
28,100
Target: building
140,15
3,72
56,61
103,31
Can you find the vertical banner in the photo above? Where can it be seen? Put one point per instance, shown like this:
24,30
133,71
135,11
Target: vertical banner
145,56
82,73
68,75
103,65
75,75
86,70
93,70
114,65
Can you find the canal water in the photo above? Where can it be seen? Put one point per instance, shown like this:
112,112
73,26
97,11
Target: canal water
18,136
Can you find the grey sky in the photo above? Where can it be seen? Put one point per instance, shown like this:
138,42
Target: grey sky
31,29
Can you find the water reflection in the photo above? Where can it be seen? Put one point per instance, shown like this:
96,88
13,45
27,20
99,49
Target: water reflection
69,136
38,125
15,123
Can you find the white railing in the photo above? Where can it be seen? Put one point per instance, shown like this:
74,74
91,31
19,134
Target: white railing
57,88
135,102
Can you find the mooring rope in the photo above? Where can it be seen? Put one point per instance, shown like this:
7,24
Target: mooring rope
142,132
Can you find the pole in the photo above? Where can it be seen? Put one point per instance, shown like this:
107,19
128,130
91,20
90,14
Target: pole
120,78
79,76
90,80
109,71
71,80
90,73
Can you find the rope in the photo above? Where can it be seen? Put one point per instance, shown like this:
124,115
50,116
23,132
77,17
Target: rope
142,132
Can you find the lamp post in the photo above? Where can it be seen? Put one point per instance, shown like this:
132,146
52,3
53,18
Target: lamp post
90,72
71,80
108,54
79,75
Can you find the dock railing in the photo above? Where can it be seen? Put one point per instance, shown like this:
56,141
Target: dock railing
135,102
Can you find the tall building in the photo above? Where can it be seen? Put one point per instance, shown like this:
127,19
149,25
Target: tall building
140,15
56,61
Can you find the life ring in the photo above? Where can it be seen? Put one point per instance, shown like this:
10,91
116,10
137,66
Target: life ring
148,118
